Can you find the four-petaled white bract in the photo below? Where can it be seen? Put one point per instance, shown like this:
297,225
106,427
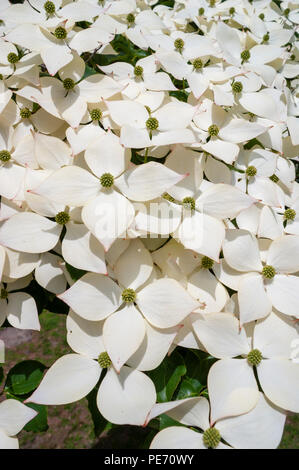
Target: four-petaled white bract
169,179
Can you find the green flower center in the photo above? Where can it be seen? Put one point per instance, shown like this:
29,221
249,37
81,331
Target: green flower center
13,58
268,272
197,63
237,87
286,11
68,83
207,263
168,197
128,295
179,44
25,113
62,218
189,203
3,294
96,114
266,37
232,11
211,438
130,18
201,11
251,171
245,55
104,360
60,32
138,71
274,178
254,357
107,180
212,3
213,130
262,16
289,214
152,124
4,156
49,8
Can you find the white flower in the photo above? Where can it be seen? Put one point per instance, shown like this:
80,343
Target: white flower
270,352
248,431
141,127
261,285
13,417
18,307
67,98
124,398
218,133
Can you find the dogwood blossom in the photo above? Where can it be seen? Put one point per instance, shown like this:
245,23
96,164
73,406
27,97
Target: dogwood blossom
148,162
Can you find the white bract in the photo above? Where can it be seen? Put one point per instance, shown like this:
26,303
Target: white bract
148,161
13,417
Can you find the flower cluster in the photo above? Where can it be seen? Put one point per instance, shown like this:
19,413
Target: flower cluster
150,147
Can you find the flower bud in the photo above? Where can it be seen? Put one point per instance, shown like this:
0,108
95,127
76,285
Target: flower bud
107,180
4,156
213,130
211,438
254,357
95,114
289,214
268,272
104,360
128,295
152,124
62,218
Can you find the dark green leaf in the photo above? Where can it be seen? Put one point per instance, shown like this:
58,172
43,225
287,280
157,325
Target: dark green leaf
167,3
251,143
88,72
138,159
24,377
100,424
166,421
198,365
40,422
126,52
83,24
181,95
168,375
74,272
190,387
150,436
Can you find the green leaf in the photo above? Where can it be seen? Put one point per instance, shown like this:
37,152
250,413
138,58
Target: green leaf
74,272
168,375
40,422
24,377
147,442
138,159
190,387
1,374
100,424
83,24
126,52
251,143
181,95
166,421
198,365
88,72
167,3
